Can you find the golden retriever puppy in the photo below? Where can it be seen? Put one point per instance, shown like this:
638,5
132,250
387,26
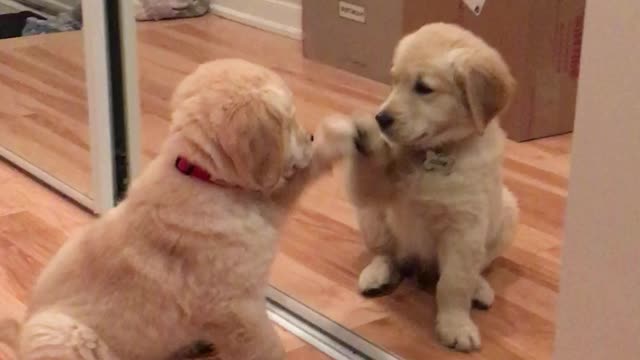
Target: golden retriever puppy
179,269
426,179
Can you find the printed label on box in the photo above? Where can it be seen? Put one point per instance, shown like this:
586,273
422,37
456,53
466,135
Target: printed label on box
351,11
475,5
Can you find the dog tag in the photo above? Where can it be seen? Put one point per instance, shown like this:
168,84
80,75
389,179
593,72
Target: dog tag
438,162
475,5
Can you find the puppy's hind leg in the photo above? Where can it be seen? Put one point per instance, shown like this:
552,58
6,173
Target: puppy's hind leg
506,234
484,295
55,336
199,349
245,332
382,275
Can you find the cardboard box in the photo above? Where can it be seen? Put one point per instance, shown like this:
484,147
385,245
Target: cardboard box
540,40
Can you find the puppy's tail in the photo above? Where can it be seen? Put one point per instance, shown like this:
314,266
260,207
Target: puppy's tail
9,332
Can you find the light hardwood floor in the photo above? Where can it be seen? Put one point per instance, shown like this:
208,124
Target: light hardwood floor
321,253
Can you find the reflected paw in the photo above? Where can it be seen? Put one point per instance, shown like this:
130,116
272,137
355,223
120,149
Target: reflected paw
458,332
378,278
484,296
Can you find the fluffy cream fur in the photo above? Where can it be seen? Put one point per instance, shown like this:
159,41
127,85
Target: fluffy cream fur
414,209
183,261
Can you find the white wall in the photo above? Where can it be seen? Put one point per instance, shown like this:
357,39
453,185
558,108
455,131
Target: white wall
599,305
283,17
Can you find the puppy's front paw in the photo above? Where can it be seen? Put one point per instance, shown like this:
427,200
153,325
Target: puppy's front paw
458,332
362,142
368,140
332,139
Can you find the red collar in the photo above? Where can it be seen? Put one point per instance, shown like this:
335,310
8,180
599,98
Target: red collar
190,169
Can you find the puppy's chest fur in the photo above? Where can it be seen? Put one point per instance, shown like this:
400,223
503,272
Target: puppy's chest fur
430,201
417,215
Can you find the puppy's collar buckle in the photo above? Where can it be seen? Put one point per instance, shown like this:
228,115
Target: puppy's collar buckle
438,161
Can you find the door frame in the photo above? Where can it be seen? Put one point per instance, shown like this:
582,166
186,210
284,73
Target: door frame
113,98
599,299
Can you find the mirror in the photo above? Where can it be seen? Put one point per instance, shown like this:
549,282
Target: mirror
321,252
45,127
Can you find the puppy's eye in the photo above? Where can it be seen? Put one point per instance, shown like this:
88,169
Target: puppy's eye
421,88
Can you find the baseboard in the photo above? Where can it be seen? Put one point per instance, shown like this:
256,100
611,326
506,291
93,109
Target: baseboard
277,16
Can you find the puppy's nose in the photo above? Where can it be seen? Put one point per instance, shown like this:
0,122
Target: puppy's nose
384,119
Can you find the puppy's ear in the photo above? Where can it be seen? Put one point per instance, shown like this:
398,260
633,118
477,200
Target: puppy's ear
487,86
253,138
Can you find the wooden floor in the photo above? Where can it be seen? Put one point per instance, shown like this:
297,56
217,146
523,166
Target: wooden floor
321,254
